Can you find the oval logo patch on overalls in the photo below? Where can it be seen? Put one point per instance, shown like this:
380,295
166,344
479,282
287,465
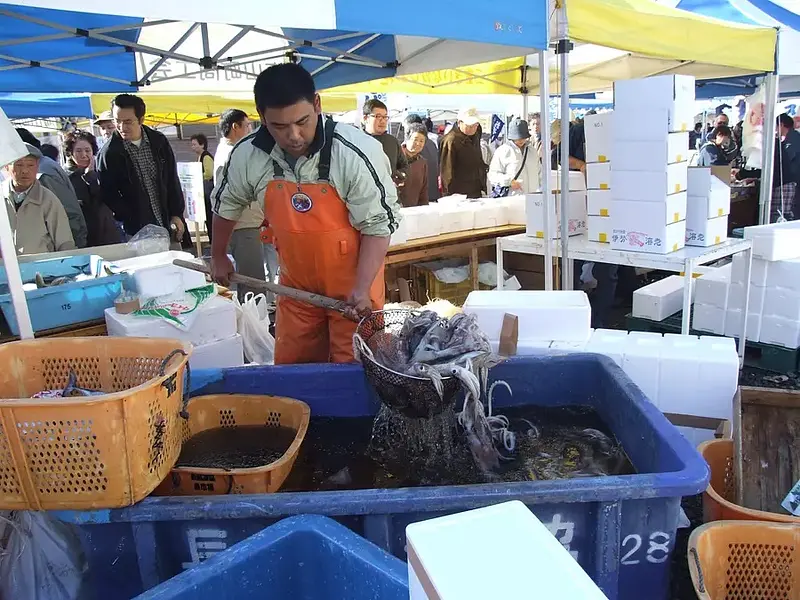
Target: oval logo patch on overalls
301,202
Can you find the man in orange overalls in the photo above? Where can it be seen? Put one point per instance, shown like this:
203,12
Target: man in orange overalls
330,205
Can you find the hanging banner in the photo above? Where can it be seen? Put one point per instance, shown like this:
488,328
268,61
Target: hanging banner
191,178
497,128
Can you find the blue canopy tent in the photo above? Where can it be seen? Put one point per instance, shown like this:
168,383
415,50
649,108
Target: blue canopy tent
31,106
43,48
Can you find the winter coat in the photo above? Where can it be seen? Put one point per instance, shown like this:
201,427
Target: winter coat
415,188
55,179
40,224
506,164
102,230
461,165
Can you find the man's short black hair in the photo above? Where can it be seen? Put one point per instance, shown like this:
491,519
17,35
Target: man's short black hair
229,118
282,85
786,121
428,124
50,151
722,130
698,126
130,101
201,139
372,104
28,137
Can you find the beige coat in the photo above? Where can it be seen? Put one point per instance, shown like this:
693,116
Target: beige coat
41,224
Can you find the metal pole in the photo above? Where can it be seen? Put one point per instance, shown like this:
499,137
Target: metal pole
768,147
524,87
563,48
547,196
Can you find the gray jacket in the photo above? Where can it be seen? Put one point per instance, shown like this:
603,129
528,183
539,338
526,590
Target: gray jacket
55,179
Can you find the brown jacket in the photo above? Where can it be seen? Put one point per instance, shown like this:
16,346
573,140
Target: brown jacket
462,169
415,188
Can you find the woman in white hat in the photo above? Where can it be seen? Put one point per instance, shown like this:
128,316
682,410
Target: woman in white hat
515,165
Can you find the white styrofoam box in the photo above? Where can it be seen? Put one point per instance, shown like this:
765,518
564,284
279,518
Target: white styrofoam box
599,228
707,317
679,373
719,377
780,331
569,346
525,348
400,236
442,550
649,186
778,302
710,186
598,176
609,342
644,155
598,202
758,296
489,213
456,217
701,209
733,325
577,181
597,129
421,221
534,214
706,232
776,241
652,124
651,227
660,299
675,93
642,363
131,265
515,209
221,354
166,279
215,320
712,288
784,274
759,270
543,315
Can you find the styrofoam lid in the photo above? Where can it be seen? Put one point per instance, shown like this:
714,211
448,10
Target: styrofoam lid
526,299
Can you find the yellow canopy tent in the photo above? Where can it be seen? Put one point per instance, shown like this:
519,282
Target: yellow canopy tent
167,109
614,39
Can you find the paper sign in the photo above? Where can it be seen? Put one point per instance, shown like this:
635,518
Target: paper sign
792,501
190,175
11,146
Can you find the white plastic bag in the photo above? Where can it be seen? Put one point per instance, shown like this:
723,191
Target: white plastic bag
253,325
41,558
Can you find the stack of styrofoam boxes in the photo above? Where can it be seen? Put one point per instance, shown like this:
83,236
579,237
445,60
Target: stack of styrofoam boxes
650,144
680,374
534,207
420,221
711,300
598,176
543,316
709,205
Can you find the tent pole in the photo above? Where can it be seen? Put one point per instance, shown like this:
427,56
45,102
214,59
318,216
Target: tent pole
11,265
544,128
768,148
524,88
562,49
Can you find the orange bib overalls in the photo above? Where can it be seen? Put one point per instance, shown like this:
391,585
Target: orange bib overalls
318,252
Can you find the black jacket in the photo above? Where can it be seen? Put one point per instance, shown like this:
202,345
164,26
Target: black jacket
124,193
100,225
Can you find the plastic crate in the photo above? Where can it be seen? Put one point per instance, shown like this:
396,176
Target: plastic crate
427,287
621,529
278,562
67,304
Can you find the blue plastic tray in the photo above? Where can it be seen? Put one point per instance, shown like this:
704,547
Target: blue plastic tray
301,558
66,304
621,529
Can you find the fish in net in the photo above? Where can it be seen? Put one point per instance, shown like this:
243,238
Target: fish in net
430,374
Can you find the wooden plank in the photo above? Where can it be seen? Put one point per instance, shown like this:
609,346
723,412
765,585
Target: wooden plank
766,448
460,249
455,238
473,267
88,329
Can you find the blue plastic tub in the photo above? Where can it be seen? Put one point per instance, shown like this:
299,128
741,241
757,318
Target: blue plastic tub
301,558
621,529
66,304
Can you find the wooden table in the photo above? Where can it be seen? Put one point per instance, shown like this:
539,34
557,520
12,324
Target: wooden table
451,244
89,329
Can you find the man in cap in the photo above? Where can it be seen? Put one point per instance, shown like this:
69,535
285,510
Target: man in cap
462,169
105,122
37,217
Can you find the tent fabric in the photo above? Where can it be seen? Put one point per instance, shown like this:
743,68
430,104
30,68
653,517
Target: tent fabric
32,106
336,40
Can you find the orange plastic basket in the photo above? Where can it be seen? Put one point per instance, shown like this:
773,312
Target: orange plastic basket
211,412
745,560
90,452
719,499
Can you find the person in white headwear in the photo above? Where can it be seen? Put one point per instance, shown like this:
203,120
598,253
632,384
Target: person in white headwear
515,164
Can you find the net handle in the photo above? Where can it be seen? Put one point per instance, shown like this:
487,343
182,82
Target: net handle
162,370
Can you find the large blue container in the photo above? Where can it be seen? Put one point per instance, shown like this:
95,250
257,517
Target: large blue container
301,558
66,304
621,529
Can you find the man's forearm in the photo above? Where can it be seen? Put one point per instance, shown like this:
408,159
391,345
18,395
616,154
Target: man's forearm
222,230
370,259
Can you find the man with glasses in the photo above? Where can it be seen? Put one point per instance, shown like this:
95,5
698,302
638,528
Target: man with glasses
376,123
138,174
